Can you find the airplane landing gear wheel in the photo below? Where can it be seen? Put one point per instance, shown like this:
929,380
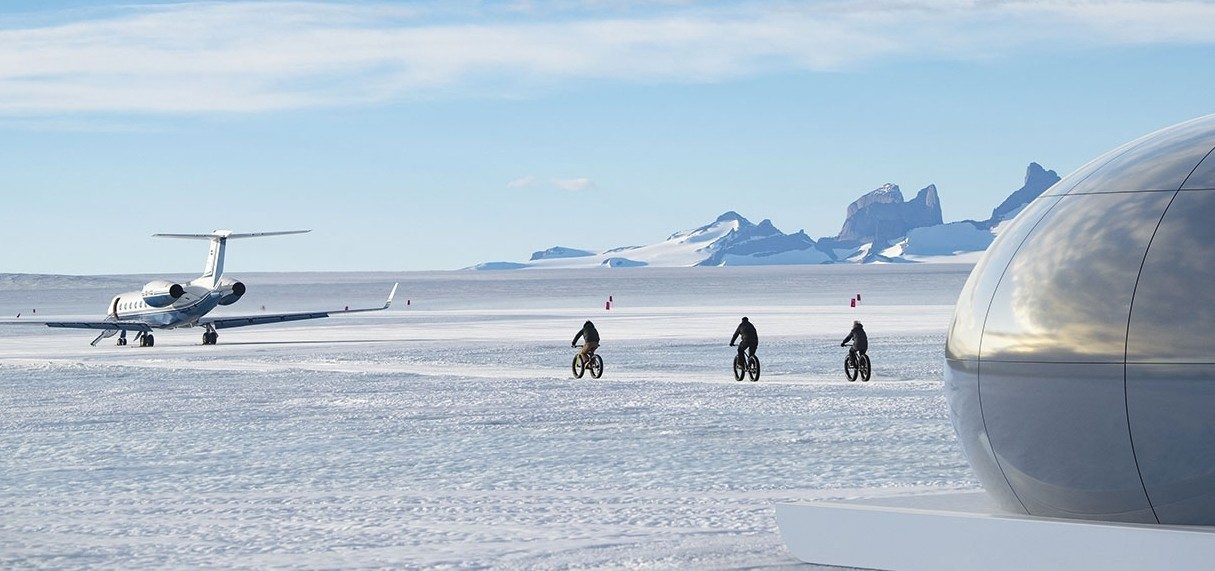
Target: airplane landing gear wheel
210,338
147,340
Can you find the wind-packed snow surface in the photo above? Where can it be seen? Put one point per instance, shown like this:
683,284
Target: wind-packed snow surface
450,432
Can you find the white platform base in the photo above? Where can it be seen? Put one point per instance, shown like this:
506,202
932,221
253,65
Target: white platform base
962,531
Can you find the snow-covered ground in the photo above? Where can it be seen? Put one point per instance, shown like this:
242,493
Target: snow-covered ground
451,433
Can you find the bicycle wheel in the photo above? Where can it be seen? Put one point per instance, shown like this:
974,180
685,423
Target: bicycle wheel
578,366
753,368
740,369
850,368
596,366
865,368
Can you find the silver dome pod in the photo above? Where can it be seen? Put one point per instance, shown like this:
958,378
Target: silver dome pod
1080,364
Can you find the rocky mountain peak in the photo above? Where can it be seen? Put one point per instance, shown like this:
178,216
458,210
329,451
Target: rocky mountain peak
732,216
1037,180
928,197
881,226
882,215
887,193
925,208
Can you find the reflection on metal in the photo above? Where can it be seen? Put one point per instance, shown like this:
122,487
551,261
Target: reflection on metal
1081,360
971,309
1158,161
1064,299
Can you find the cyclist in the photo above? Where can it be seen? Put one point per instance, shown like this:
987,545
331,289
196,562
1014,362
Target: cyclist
750,339
590,338
860,341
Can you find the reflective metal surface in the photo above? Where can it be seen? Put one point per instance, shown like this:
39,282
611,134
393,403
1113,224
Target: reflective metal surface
1067,291
971,309
1080,367
1173,428
1067,183
962,393
1061,438
1174,310
1160,162
1203,177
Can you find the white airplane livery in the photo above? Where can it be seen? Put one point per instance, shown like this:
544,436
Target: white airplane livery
164,304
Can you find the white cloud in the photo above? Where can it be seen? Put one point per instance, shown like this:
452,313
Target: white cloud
573,183
249,57
570,184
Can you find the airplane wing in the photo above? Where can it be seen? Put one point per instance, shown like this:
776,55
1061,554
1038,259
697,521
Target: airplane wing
104,325
109,327
262,319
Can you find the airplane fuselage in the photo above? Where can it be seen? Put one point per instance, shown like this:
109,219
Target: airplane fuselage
185,311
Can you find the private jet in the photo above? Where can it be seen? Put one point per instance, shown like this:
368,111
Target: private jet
165,304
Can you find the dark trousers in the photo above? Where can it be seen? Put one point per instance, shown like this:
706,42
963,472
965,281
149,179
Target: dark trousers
747,348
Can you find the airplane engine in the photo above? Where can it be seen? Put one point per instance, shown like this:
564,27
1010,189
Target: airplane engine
161,293
233,290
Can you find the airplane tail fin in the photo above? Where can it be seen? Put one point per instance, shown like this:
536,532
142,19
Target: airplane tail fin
219,241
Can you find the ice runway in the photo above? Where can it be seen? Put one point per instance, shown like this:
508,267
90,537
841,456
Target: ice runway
453,435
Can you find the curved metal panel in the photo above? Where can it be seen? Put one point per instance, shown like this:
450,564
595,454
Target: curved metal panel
1161,161
962,394
1080,389
1060,434
966,329
1068,182
1173,429
1067,292
1173,316
1203,177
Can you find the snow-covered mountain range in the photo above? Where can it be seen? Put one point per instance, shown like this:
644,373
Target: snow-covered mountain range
879,227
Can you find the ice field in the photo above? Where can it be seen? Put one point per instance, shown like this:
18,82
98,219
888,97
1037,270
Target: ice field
451,433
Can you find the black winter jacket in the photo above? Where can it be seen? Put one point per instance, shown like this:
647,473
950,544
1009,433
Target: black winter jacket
861,340
747,331
589,332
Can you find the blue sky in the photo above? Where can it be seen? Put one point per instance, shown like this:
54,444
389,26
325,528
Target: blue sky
414,136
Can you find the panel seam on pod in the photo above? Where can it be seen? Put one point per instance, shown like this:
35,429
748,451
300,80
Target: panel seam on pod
983,330
1194,170
1128,147
1126,347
